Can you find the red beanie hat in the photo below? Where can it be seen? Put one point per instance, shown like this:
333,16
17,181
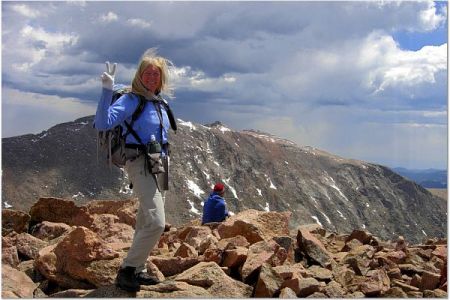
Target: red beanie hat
218,187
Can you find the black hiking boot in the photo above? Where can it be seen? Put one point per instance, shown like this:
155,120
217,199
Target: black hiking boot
127,280
145,279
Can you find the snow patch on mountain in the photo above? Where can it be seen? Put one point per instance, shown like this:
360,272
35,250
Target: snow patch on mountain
194,188
227,182
259,192
332,183
193,209
342,216
224,129
317,220
187,124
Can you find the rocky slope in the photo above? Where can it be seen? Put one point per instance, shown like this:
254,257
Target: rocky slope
260,172
62,250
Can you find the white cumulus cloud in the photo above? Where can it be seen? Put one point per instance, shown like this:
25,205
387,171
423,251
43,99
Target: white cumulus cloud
139,23
109,17
25,10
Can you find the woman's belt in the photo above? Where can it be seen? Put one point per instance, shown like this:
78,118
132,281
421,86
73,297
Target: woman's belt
135,146
142,147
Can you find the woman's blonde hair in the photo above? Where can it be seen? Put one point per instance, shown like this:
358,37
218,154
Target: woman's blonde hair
151,58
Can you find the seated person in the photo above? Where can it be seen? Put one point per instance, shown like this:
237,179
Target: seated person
215,209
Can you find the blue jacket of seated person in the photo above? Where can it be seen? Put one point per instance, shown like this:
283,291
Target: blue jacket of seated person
214,209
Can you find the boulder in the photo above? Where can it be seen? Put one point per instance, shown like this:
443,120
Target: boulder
310,245
430,281
255,225
14,220
58,210
196,235
111,291
71,293
416,281
343,275
288,244
10,256
361,235
302,287
313,228
359,259
287,293
186,250
110,229
269,282
16,284
45,262
28,245
85,258
234,258
153,270
98,272
47,231
173,290
213,255
441,252
397,257
405,287
28,268
395,292
410,269
208,242
259,253
401,244
334,290
377,284
125,210
233,242
210,276
437,293
170,266
320,273
394,273
83,245
317,295
354,295
290,271
351,244
414,294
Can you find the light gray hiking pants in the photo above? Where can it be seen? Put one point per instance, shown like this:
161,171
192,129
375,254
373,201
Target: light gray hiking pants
150,219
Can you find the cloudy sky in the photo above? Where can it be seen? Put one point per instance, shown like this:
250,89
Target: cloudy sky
364,80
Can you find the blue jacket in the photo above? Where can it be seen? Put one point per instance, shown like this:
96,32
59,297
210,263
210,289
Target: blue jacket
214,209
109,116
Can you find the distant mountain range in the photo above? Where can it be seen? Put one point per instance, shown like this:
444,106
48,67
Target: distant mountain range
260,171
428,178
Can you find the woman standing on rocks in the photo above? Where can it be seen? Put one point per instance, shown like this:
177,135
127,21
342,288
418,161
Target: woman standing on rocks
150,80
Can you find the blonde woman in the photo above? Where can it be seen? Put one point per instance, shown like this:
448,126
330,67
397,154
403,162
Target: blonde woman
150,80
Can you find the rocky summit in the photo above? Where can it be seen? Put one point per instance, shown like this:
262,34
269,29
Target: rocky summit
64,250
260,171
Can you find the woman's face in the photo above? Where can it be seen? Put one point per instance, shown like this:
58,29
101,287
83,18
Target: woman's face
151,78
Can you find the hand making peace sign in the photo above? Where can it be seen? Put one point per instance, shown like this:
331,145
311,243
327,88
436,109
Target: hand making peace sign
108,76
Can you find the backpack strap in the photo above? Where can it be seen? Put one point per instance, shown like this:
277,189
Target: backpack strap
158,111
172,120
173,123
137,113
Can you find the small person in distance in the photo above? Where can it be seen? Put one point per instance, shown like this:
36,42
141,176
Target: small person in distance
215,208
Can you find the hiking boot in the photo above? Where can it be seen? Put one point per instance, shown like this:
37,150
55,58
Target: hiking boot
145,279
126,280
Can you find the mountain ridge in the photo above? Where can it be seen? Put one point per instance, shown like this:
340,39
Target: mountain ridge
259,171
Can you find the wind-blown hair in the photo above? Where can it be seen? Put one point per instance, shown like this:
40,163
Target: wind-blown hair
150,57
